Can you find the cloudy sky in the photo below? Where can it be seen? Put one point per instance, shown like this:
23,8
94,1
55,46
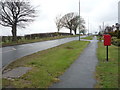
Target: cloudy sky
94,11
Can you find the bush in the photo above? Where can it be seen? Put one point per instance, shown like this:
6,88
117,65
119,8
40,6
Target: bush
116,33
115,41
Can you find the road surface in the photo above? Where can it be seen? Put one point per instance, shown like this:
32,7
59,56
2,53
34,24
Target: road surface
11,53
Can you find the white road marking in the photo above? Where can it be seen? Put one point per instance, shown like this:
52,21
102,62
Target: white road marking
6,51
13,49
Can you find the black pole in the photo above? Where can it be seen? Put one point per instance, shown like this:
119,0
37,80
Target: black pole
107,53
79,35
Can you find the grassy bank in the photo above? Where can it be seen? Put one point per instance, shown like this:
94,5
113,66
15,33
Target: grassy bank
46,65
107,72
88,38
25,41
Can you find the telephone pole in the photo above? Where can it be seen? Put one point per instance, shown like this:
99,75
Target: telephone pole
119,12
79,20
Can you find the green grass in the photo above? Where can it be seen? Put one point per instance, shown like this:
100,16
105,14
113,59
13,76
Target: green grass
88,38
107,72
100,38
46,65
25,41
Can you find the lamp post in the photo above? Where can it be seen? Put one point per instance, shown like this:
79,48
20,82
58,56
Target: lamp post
79,20
119,12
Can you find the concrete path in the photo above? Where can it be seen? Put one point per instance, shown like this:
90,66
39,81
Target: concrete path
81,72
16,73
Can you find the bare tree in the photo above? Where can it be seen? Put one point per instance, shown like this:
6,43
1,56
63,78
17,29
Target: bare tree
76,22
83,31
67,20
58,22
16,13
71,21
82,26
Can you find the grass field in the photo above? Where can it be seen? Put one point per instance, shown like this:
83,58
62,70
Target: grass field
88,38
107,72
46,65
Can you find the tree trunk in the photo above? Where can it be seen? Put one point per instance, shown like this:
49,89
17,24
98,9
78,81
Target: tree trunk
75,31
58,30
14,33
70,31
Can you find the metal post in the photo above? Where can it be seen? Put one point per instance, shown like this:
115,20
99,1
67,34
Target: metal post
107,53
79,20
88,26
103,26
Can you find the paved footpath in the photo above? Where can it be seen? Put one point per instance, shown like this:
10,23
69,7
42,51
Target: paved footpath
81,73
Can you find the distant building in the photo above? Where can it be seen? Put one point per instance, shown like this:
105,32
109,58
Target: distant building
109,29
119,12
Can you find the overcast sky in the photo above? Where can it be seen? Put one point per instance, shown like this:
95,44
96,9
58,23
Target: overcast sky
94,11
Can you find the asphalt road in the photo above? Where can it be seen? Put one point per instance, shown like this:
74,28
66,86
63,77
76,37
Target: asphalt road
11,53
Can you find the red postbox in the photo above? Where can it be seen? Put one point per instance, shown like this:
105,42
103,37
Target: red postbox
107,40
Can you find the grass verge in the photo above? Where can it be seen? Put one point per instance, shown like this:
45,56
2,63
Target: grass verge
46,65
25,41
88,38
107,72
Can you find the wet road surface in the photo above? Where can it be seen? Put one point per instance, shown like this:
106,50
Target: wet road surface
11,53
81,72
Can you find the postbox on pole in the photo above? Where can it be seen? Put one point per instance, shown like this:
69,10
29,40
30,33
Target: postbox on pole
107,42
